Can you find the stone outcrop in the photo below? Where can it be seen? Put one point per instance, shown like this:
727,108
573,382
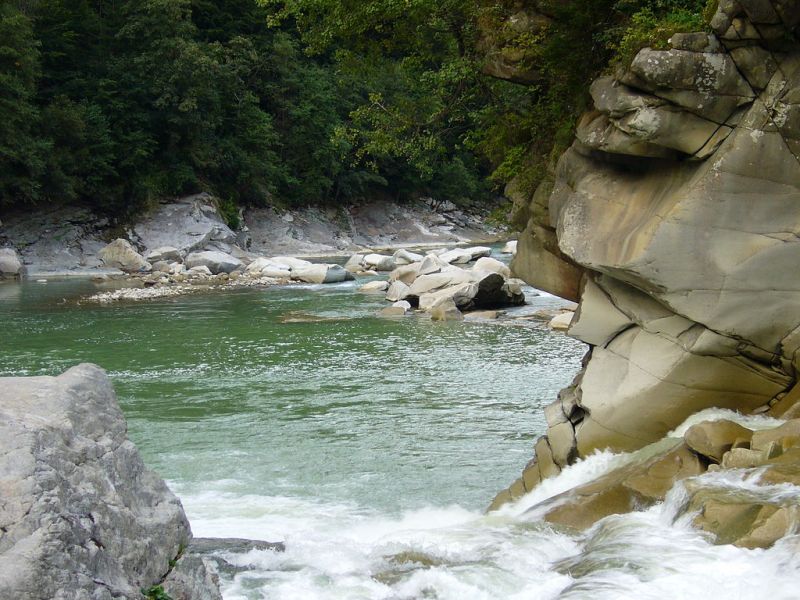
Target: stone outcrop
11,266
188,224
752,516
81,517
675,219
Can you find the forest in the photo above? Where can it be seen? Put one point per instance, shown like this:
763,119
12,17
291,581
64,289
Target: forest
116,104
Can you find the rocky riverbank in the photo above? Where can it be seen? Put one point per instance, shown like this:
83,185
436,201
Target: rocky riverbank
675,220
69,241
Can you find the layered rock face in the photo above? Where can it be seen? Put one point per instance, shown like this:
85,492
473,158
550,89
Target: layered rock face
81,517
676,217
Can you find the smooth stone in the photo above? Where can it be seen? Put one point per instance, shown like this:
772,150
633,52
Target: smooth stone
119,254
216,261
374,287
446,310
714,438
561,322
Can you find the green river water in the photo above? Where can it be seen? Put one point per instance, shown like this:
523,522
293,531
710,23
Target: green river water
369,446
219,392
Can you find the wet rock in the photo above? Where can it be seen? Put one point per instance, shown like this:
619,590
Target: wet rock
714,438
446,310
193,578
374,287
397,291
119,254
215,261
628,488
81,515
393,311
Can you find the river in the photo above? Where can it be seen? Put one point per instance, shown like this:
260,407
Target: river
369,446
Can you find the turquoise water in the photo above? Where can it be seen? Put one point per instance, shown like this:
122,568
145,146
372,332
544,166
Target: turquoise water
221,394
370,447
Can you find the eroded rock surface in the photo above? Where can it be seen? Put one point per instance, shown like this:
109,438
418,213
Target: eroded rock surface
81,517
675,218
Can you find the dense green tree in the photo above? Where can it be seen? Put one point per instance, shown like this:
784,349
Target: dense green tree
21,151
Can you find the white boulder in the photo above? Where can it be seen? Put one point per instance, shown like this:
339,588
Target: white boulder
216,261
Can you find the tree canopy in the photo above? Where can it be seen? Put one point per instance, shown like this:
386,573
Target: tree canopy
119,103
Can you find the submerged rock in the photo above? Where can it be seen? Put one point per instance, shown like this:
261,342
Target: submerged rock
81,516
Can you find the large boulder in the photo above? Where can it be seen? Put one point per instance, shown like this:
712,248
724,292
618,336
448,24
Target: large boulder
674,217
216,261
379,262
316,273
11,266
188,224
405,257
492,265
119,254
81,516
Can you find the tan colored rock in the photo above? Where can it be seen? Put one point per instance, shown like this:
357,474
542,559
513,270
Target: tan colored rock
628,488
446,310
397,291
406,273
561,322
714,438
762,439
374,287
119,254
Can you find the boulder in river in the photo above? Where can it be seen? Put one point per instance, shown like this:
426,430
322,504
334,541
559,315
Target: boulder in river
216,261
509,248
379,262
446,310
119,254
10,264
405,257
81,516
317,273
373,287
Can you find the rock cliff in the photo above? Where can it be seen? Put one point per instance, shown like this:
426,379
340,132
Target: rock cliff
80,516
675,220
